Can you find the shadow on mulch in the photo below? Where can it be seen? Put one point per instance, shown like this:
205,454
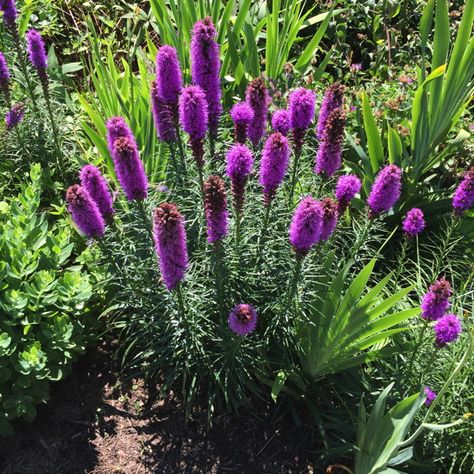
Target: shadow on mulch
94,423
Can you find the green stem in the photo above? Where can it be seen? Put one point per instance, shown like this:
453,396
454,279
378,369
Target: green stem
294,283
54,128
293,178
179,295
175,163
263,232
146,222
180,148
238,218
219,274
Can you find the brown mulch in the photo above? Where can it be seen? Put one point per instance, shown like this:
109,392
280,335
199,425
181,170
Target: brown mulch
96,423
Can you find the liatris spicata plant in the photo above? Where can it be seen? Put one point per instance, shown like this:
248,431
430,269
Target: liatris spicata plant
463,198
162,115
129,169
430,396
15,116
243,319
193,115
10,13
96,185
4,79
85,212
414,222
328,157
281,121
170,244
447,329
274,163
257,97
346,188
116,128
169,81
306,225
205,69
215,205
333,99
301,108
386,190
37,53
239,166
242,115
436,301
330,217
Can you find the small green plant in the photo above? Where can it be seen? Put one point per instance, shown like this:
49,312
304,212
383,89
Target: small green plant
44,320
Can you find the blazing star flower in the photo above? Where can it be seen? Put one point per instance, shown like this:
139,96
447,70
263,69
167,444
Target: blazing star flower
129,169
239,166
4,78
346,188
447,329
241,114
274,163
37,51
169,81
84,212
355,67
414,222
193,115
96,185
333,99
281,121
116,128
306,225
301,108
430,396
243,319
205,68
15,116
330,216
329,155
257,97
436,301
162,116
170,244
463,198
10,13
215,205
386,190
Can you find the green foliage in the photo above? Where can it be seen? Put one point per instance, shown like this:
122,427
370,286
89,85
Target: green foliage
44,323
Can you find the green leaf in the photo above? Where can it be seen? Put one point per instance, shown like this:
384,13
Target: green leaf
374,141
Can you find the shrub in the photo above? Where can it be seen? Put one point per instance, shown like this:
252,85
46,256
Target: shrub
44,320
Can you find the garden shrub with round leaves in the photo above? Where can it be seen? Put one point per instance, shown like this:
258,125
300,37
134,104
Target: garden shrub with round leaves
44,320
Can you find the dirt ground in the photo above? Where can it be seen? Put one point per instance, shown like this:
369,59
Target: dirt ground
96,424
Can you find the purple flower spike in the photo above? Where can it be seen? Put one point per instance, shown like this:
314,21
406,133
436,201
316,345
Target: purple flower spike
215,205
205,68
274,163
330,216
306,225
36,51
116,128
333,99
96,185
430,396
15,116
257,97
414,222
436,301
447,329
301,107
463,198
281,121
84,212
239,166
162,116
4,78
329,156
169,81
241,114
243,319
129,169
346,188
170,244
386,190
10,13
193,115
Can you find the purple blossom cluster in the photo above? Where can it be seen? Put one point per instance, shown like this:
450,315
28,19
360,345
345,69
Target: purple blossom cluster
301,109
386,190
162,115
447,329
333,99
243,319
306,225
15,116
414,222
346,189
463,198
37,51
281,121
242,115
239,166
96,185
215,206
330,217
257,97
436,301
4,79
10,13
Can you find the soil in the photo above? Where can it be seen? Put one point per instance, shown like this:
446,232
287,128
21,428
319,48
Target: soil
97,423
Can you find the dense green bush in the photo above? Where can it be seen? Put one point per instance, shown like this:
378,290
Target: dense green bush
44,320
